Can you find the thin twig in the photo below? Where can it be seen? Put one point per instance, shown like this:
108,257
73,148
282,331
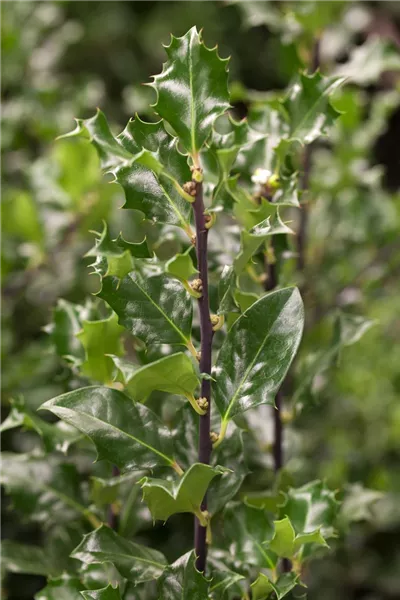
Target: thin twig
206,333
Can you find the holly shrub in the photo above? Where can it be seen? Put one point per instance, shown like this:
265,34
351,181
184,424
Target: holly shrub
180,395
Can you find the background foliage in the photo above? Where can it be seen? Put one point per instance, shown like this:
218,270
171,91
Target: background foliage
61,60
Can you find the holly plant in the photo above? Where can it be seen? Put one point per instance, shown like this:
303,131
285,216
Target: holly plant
193,329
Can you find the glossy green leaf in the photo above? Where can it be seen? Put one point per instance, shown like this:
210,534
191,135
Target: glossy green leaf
46,490
124,432
182,581
135,562
308,106
152,187
105,246
257,353
245,531
173,374
56,436
100,338
107,491
165,498
108,593
181,266
226,289
62,588
21,558
157,309
192,90
252,240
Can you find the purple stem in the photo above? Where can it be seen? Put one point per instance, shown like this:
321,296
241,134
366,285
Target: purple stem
206,336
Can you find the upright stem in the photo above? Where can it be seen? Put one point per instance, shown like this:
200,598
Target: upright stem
206,333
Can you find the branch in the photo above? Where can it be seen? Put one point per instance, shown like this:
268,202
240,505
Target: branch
206,333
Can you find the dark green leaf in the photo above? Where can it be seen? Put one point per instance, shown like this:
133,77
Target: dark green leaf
192,89
182,581
134,561
257,353
157,309
124,432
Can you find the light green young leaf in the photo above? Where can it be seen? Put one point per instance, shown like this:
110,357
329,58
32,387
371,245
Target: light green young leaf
182,581
124,432
252,240
192,90
157,309
165,498
308,106
181,266
173,374
108,593
100,338
263,586
135,562
283,541
257,352
20,558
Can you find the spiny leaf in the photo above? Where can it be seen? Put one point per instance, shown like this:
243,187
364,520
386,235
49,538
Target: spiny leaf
105,246
124,432
165,498
192,89
100,338
108,593
182,581
98,131
173,374
157,309
135,562
257,353
308,106
154,192
283,541
368,62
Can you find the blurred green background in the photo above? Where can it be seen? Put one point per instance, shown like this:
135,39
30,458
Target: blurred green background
61,60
